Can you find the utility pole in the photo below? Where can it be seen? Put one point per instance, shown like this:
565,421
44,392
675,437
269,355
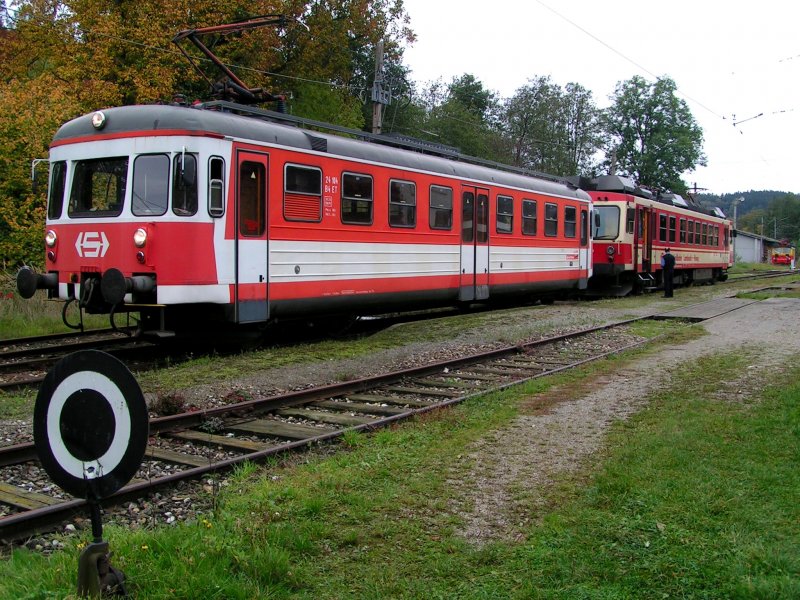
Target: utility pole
380,97
612,168
735,205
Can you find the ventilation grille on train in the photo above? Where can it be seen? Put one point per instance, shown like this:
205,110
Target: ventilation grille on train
317,143
301,207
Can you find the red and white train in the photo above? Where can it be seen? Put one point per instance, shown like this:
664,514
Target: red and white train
631,230
221,213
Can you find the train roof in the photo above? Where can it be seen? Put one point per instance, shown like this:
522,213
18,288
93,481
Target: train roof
246,123
626,185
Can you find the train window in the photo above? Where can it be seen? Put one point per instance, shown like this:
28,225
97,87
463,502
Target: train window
550,219
467,216
606,223
725,237
150,193
184,185
98,187
630,219
58,180
662,228
505,214
216,186
690,233
716,235
252,198
302,193
584,227
482,219
402,203
683,231
441,207
529,217
570,220
704,239
356,199
672,222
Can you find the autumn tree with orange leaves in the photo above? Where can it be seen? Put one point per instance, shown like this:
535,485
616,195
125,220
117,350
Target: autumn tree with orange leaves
65,58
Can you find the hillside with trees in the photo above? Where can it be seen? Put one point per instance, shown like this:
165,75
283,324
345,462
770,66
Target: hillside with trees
771,213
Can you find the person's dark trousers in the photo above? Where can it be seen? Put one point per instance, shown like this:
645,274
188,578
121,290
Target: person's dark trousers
668,276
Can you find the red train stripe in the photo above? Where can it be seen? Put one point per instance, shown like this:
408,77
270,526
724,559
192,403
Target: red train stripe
353,287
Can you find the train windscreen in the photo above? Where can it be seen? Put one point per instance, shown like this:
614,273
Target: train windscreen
606,223
98,187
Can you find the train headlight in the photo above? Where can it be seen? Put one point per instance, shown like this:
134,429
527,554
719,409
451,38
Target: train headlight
611,251
99,119
140,238
50,238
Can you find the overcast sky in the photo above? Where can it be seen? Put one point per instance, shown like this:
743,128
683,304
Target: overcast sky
730,61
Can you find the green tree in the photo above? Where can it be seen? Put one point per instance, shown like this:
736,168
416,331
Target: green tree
552,129
653,136
581,122
461,115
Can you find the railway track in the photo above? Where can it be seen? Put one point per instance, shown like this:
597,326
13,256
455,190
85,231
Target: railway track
760,275
191,445
25,362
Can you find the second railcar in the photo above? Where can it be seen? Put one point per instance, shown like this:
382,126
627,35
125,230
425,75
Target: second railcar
632,228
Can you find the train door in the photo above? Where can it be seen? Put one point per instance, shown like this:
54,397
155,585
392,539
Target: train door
474,244
643,240
585,251
251,237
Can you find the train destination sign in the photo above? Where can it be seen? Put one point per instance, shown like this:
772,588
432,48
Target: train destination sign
90,424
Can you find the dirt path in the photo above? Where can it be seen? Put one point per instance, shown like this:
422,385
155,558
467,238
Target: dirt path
497,488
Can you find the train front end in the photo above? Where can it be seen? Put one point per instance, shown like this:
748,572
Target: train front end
125,230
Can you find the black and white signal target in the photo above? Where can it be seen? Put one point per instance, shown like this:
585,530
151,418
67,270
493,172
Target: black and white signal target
90,424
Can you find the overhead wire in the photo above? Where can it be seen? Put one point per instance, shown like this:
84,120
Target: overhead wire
625,56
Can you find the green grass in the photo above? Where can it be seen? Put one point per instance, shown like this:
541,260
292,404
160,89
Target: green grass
695,497
18,405
747,268
698,498
773,293
37,316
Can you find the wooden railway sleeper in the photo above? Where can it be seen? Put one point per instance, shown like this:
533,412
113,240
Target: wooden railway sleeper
222,441
396,400
360,407
423,391
280,429
325,417
431,382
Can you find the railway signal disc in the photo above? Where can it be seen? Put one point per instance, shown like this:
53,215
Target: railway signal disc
90,424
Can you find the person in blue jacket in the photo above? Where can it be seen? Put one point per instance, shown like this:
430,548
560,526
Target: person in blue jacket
668,270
